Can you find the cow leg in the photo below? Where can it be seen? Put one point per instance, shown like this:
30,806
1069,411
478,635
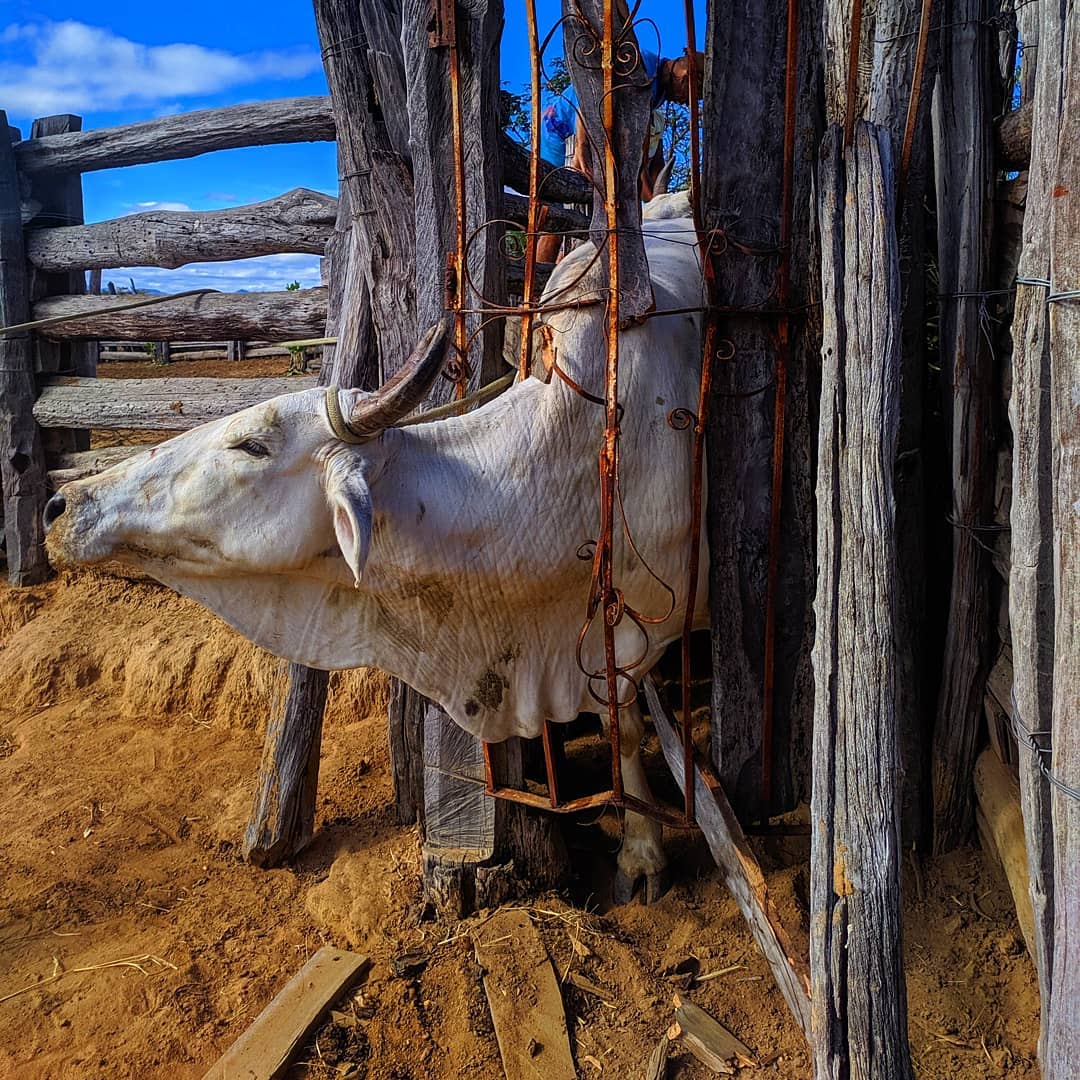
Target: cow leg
642,851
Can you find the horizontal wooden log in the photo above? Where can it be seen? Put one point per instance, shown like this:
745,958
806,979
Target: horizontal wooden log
285,315
559,219
1013,137
77,464
559,185
286,120
298,221
153,404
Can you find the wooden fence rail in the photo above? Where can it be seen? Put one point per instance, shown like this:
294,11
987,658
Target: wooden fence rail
265,123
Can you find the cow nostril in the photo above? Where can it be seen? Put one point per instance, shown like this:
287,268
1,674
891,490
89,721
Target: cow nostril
53,509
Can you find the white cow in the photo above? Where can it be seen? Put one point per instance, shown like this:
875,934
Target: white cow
443,553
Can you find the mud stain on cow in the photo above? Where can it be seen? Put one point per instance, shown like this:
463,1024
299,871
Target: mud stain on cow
433,593
489,690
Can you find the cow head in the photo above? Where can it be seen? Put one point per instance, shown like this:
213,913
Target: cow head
224,499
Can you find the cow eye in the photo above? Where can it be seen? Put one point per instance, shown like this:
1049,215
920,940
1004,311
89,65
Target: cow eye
252,447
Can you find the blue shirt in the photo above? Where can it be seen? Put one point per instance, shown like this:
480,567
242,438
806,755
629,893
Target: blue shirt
558,117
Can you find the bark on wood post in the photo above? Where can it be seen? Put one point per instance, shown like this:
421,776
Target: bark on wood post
858,996
22,461
282,821
896,37
1063,1032
963,169
1031,584
743,122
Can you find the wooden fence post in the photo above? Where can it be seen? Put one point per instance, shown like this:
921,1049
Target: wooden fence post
1031,582
1063,1033
858,997
22,460
963,171
743,153
59,196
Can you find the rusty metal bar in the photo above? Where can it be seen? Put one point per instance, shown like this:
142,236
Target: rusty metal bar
913,101
852,70
489,771
533,225
609,606
461,388
549,765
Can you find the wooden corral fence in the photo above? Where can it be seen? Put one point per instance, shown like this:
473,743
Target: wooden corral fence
868,600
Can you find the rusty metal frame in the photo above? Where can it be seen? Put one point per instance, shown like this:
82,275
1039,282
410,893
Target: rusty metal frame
605,600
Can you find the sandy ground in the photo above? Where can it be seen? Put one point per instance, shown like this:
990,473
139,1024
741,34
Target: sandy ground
130,729
134,942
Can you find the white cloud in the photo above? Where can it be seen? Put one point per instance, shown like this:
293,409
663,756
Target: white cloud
143,207
74,67
267,273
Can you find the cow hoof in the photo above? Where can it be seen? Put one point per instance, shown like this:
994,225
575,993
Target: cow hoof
657,885
624,886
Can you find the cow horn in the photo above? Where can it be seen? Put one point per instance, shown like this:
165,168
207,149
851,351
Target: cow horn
397,397
664,178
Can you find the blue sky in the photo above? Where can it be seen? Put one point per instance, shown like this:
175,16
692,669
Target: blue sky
121,61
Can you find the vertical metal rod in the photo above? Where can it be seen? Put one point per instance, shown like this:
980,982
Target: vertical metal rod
460,332
913,101
533,225
549,765
783,336
609,454
489,771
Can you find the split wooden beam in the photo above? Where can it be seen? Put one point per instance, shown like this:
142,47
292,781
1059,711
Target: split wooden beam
152,404
266,1049
22,460
964,178
285,315
286,120
858,996
739,868
1013,136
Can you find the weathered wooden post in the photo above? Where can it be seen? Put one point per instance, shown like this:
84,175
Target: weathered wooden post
22,460
858,996
963,172
1063,1034
1031,579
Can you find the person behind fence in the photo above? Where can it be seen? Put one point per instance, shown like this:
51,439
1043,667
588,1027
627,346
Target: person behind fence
564,142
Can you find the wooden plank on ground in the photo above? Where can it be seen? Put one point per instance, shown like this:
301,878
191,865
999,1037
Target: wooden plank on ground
741,872
153,404
524,998
707,1039
998,794
263,1052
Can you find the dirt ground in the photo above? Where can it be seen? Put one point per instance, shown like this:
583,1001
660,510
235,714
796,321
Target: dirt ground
130,729
134,941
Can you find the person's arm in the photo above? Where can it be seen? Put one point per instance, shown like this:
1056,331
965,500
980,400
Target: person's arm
581,161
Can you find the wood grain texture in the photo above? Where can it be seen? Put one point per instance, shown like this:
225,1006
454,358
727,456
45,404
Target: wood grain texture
524,998
153,404
1013,136
558,185
284,315
1031,581
74,465
267,1047
858,994
1063,1031
743,119
22,460
287,120
739,868
298,221
963,169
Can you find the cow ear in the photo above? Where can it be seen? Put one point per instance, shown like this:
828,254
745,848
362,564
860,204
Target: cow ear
350,503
